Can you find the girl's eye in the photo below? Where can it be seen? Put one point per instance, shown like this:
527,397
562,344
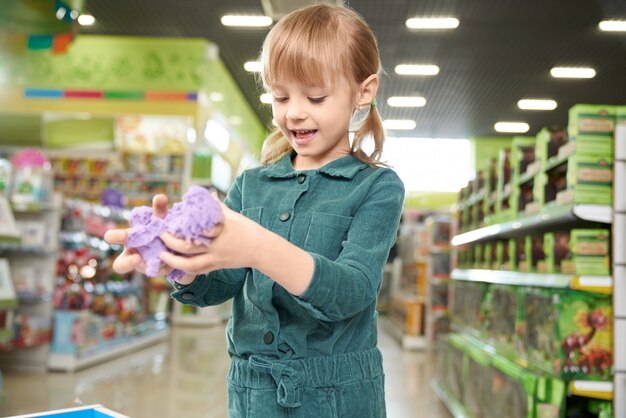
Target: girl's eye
317,100
280,99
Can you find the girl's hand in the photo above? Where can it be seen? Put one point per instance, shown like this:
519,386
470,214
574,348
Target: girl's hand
232,246
130,259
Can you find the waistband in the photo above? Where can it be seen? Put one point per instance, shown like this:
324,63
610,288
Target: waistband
288,376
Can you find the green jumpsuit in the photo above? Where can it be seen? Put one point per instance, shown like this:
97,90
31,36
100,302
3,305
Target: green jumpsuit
314,355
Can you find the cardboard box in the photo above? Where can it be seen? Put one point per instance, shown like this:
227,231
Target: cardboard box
568,333
594,120
548,142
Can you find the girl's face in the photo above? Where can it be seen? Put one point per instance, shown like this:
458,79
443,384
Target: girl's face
314,119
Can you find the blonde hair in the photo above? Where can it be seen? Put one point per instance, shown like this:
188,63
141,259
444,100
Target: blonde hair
312,44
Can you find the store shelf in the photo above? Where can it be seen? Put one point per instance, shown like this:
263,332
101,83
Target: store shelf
408,342
69,362
590,389
456,408
598,284
559,216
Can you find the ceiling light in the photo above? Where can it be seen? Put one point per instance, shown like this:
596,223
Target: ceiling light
86,20
247,21
403,124
572,72
267,98
536,104
613,25
512,127
432,23
417,69
253,66
406,101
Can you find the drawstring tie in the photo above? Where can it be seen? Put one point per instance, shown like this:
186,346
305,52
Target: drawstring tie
286,378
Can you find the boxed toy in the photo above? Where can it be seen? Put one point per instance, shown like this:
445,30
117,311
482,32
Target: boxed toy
502,304
548,142
579,251
517,249
504,203
503,255
592,127
535,254
589,180
522,155
568,333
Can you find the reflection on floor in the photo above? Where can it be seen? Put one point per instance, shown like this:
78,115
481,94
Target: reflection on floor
186,378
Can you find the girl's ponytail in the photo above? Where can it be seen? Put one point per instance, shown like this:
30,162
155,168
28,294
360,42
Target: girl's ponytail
274,147
373,127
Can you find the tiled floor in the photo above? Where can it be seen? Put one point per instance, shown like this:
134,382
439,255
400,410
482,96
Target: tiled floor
185,378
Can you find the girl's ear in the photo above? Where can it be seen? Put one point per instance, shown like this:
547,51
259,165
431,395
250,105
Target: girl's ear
367,91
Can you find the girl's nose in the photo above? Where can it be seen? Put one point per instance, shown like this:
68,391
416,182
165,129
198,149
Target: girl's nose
295,111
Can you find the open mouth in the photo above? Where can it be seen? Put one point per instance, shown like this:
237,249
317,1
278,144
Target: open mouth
302,136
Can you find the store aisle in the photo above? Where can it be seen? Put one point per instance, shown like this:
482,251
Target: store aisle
186,378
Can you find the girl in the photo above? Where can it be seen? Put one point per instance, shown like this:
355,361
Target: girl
305,237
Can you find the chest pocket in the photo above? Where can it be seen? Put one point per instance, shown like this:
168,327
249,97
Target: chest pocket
326,233
253,214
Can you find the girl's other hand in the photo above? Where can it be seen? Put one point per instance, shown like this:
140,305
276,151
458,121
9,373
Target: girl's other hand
130,259
232,246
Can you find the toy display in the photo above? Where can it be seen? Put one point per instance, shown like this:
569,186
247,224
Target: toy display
32,177
197,213
503,307
579,251
569,333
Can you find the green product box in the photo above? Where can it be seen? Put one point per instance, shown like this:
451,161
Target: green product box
589,180
505,209
579,251
522,155
503,305
489,255
535,254
467,299
568,333
591,120
517,249
548,142
503,255
479,256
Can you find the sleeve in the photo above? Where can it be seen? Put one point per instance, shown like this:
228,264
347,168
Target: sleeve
346,286
218,286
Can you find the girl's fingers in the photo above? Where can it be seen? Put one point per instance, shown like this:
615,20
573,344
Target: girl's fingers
199,264
127,262
214,232
159,205
116,236
182,246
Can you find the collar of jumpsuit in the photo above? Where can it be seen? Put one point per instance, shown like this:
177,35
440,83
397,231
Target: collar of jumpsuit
345,167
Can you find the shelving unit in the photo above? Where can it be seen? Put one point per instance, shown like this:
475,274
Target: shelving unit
532,293
597,284
551,218
619,270
33,278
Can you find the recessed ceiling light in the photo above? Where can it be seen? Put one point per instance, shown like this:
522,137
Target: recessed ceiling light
253,66
417,69
267,98
246,20
613,25
573,72
512,127
86,20
432,23
536,104
406,101
400,124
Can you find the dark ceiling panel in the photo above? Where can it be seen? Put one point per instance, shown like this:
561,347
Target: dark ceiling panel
502,51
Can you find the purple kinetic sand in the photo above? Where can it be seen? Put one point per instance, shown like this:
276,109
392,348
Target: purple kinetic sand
198,212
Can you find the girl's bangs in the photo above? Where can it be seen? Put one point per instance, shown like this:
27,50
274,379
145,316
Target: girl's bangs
304,60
